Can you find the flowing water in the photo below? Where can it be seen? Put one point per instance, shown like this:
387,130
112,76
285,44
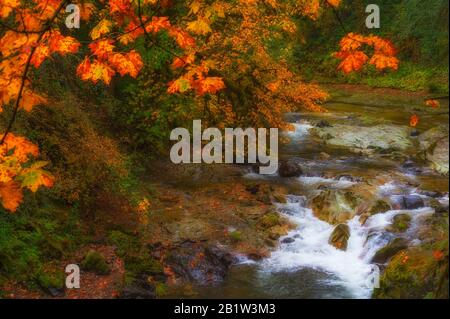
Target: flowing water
307,266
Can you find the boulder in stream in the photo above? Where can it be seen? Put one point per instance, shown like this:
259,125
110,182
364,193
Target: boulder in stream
289,168
199,263
335,206
382,138
438,156
407,202
434,145
339,237
387,252
400,223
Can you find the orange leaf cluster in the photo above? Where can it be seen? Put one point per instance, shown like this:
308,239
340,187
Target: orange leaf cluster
354,58
196,79
433,103
14,153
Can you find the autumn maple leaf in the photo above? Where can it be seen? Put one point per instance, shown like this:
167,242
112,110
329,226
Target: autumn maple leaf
414,120
352,61
11,195
433,103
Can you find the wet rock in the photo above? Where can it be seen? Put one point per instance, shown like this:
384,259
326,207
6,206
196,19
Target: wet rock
432,136
335,206
438,156
280,198
439,208
380,206
324,156
323,124
389,251
400,223
408,164
416,273
432,194
415,133
380,138
407,202
56,292
140,289
289,168
288,240
199,263
339,237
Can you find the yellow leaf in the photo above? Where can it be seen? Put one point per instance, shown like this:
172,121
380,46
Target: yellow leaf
100,29
199,26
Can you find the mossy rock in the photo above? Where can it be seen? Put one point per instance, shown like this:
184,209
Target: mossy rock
380,206
269,220
95,262
400,223
51,279
387,252
339,237
335,206
235,236
415,273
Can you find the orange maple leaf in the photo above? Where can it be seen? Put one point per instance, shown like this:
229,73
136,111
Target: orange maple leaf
438,255
432,103
11,195
414,120
352,61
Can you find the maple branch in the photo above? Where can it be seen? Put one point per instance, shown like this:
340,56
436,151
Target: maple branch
42,32
148,37
7,27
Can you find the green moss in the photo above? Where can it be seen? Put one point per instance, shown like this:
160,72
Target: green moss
269,220
235,236
51,279
400,223
137,257
95,262
414,273
160,290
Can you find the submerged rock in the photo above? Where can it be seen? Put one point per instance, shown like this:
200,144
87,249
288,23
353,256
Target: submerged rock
288,240
289,168
389,251
339,237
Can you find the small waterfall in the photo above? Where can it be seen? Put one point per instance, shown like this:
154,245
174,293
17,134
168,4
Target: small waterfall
310,249
308,246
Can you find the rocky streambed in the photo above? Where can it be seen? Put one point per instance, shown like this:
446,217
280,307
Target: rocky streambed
365,193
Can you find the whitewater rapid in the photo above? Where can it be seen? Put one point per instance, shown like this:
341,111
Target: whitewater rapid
308,245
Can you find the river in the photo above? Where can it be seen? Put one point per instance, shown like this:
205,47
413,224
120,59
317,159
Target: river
305,265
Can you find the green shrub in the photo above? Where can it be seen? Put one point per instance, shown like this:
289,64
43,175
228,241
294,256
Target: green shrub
95,262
